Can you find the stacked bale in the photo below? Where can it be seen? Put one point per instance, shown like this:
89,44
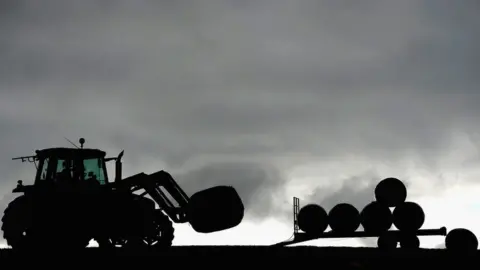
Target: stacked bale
312,219
344,218
408,217
409,241
390,192
387,241
376,218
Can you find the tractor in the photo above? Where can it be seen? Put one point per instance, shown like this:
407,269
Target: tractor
72,201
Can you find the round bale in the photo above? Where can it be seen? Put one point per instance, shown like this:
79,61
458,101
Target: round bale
409,241
313,219
391,192
376,218
461,240
344,218
215,209
408,216
387,241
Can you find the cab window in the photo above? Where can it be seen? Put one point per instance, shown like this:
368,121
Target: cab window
64,169
43,169
94,170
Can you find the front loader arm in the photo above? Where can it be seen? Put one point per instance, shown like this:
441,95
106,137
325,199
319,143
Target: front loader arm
159,185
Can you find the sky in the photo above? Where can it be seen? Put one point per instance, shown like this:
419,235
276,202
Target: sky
314,99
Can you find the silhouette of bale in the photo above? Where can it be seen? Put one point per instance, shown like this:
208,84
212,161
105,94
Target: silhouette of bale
312,219
391,192
376,217
215,209
387,241
343,218
408,216
461,240
409,241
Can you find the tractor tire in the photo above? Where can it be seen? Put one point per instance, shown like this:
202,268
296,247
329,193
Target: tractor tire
62,223
21,231
161,236
164,233
16,222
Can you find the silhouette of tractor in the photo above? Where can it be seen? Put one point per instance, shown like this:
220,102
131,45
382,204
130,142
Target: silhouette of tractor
73,201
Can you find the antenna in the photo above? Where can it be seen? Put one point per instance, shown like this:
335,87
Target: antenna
71,142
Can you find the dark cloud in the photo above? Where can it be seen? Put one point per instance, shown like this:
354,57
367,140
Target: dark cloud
175,83
357,190
257,184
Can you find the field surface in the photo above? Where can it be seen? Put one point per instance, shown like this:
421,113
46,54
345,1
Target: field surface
229,257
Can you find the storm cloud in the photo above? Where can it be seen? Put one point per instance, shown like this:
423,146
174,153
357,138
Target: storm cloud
236,88
257,184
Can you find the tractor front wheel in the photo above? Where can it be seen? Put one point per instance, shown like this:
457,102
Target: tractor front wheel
160,235
163,232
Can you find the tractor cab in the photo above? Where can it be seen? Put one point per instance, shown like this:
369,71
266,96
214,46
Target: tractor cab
70,164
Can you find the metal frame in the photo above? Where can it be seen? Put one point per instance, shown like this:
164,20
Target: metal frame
296,209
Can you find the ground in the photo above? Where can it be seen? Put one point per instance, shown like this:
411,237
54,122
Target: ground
229,257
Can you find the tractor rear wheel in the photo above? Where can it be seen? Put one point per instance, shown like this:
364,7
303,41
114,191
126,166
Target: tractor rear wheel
42,227
17,222
61,221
